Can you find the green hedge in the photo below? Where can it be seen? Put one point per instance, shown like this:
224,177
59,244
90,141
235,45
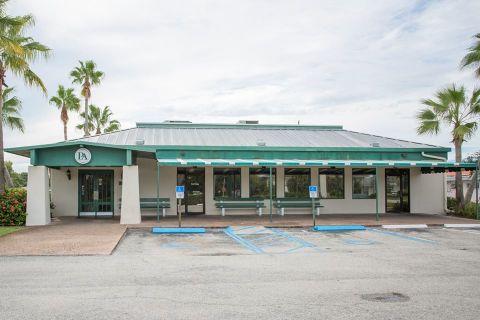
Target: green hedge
13,207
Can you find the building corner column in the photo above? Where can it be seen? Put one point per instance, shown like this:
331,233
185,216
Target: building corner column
38,200
130,211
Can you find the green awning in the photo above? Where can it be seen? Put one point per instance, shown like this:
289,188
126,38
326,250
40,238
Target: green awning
313,163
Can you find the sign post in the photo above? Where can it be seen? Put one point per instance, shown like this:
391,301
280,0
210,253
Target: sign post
313,191
179,194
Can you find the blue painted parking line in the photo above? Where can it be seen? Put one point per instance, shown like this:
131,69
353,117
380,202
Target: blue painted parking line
231,233
292,238
177,230
339,228
362,242
401,236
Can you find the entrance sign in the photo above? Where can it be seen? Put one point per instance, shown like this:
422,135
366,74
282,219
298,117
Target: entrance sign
83,156
180,192
313,191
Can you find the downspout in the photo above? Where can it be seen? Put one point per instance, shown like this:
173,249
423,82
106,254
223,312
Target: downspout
445,209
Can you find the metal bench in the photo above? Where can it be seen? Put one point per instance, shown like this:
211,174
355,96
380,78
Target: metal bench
241,203
286,203
153,203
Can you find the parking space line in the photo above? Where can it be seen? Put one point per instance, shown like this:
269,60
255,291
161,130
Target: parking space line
401,236
293,238
229,232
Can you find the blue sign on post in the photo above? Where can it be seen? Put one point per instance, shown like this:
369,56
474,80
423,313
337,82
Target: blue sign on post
313,190
180,192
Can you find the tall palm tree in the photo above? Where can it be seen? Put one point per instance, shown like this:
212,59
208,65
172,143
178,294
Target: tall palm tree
11,111
87,76
65,101
17,51
100,120
472,58
454,109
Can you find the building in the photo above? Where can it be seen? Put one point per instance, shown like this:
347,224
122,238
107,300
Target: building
467,180
108,174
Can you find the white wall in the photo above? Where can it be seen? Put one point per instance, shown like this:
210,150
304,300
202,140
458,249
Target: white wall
427,194
65,192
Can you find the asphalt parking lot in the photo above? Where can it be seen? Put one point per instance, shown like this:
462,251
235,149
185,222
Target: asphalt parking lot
255,272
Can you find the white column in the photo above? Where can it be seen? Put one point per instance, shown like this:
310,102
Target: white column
245,182
209,192
38,202
280,182
130,212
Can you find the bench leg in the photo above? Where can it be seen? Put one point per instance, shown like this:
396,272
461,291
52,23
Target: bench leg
318,211
223,212
163,212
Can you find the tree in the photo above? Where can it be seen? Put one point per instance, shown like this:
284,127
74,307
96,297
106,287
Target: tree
472,58
65,101
87,76
473,158
454,109
11,111
19,179
99,120
17,52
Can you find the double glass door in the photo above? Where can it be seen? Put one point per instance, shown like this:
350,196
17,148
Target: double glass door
194,181
397,190
95,193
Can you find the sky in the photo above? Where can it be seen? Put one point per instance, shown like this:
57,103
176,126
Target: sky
362,64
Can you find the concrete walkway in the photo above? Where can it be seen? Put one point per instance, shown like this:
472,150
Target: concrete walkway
70,236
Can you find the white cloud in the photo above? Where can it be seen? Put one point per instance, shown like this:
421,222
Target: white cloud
362,64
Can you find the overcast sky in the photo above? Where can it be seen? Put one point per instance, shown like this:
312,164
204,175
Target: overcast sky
361,64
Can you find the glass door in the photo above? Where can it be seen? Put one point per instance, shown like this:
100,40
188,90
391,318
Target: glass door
397,190
95,193
194,181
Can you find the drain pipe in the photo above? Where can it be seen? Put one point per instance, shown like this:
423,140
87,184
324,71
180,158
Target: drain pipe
445,209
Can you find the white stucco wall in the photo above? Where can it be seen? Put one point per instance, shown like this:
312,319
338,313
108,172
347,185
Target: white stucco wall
427,194
65,192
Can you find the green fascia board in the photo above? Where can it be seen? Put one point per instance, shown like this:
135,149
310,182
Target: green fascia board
236,126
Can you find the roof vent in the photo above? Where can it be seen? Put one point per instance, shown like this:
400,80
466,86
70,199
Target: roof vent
261,143
177,121
375,144
248,122
140,142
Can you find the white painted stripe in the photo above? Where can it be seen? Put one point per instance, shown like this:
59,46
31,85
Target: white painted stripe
302,163
404,226
462,225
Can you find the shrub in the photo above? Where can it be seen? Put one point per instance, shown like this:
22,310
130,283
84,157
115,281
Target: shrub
13,207
451,203
470,211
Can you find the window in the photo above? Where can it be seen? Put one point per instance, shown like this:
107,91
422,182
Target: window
331,183
363,183
226,183
259,182
297,181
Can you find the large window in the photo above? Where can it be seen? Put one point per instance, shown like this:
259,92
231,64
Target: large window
297,181
259,182
363,183
227,183
331,183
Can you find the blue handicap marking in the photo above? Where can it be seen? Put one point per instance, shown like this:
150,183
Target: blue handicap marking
180,189
312,188
362,242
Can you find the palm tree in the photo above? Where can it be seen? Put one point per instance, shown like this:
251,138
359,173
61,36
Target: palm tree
65,101
11,111
17,51
87,76
100,120
472,58
454,109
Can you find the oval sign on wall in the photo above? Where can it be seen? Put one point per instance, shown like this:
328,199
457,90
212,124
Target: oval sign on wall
83,156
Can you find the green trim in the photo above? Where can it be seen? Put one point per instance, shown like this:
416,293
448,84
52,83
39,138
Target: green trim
129,159
235,126
33,157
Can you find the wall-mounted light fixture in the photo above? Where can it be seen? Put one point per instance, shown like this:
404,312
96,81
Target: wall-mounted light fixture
69,174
